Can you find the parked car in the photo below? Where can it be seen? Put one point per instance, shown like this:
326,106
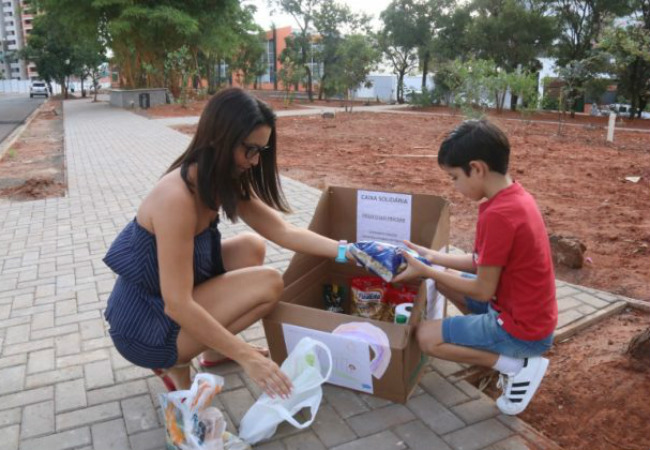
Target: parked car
38,88
624,110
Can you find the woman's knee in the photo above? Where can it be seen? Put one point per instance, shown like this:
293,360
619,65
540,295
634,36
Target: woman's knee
271,283
255,247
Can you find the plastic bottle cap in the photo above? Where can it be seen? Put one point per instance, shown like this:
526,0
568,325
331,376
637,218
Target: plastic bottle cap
400,319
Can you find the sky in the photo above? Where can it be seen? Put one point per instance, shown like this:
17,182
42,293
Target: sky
264,18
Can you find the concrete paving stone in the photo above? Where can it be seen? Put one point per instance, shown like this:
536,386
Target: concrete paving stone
139,414
53,376
380,419
443,391
10,417
231,382
13,379
566,291
40,361
237,402
87,416
434,414
586,310
385,440
538,441
469,389
117,361
476,410
66,307
131,373
82,358
17,334
14,360
94,344
54,331
31,311
306,440
96,306
69,344
70,439
477,436
512,443
445,368
9,437
45,290
42,321
38,420
374,402
346,403
77,317
23,301
567,317
273,445
5,310
418,437
592,300
92,329
118,392
26,397
71,395
98,374
567,303
148,440
27,274
330,428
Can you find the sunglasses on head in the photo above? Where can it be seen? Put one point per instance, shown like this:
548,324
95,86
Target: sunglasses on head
253,150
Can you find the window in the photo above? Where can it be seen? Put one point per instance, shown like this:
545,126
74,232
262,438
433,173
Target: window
9,14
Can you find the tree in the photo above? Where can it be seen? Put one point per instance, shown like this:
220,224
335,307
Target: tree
356,57
629,48
398,41
303,11
248,61
290,74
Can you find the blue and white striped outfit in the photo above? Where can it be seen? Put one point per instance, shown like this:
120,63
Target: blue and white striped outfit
139,327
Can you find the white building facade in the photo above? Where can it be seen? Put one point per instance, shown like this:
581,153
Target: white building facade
15,26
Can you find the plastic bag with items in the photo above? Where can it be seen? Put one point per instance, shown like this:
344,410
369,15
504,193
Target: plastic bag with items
190,421
384,260
303,368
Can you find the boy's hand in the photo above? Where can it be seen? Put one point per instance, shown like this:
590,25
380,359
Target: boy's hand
415,269
426,253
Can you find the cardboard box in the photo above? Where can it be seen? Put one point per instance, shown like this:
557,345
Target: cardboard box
339,215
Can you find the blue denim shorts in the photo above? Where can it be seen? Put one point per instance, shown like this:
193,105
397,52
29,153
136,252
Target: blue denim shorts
480,330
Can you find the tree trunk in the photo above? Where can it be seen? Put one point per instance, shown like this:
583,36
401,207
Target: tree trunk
400,86
639,347
513,102
425,71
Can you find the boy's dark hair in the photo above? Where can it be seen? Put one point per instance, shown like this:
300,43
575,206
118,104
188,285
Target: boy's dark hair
228,118
475,140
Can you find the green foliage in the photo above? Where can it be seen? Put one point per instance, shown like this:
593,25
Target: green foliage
179,63
290,75
422,99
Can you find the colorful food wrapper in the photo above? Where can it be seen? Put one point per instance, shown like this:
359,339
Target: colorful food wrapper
384,260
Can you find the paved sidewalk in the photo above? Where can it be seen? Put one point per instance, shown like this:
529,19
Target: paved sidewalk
65,387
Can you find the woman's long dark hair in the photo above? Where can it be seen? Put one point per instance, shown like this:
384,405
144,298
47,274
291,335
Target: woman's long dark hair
228,118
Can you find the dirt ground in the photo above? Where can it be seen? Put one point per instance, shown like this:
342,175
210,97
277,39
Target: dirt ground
33,167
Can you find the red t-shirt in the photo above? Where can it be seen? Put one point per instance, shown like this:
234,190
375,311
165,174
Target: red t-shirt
510,233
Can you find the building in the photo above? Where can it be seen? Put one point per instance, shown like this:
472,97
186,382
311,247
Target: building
15,27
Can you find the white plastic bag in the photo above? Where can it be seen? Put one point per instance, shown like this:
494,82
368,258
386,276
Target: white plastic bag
435,302
302,366
190,420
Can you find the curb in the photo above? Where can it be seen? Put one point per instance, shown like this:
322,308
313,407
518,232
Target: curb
13,137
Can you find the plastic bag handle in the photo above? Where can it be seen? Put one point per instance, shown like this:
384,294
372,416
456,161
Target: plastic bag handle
289,418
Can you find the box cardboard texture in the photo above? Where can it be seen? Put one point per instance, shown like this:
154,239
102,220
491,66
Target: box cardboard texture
301,303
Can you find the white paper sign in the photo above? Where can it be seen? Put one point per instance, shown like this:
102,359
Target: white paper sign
350,357
383,217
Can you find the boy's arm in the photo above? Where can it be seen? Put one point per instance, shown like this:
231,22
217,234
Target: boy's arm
464,263
481,288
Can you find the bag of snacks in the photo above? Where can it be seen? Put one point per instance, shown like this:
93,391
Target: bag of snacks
333,297
384,260
367,297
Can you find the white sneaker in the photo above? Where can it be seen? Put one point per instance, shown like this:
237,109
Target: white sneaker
519,389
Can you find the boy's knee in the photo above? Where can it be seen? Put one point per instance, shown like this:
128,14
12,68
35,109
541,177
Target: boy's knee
429,336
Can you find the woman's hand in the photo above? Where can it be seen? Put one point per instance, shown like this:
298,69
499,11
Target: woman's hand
415,269
266,374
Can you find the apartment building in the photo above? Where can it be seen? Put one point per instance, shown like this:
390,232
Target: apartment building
15,27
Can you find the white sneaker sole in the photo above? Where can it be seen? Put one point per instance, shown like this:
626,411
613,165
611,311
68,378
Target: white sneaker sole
511,408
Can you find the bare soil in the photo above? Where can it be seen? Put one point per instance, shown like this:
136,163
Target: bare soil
33,167
594,396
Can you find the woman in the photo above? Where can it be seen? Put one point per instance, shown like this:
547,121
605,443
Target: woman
181,290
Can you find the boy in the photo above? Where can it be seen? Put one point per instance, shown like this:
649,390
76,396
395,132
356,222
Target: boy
512,294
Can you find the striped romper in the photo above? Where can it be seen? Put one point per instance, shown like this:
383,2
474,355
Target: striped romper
139,327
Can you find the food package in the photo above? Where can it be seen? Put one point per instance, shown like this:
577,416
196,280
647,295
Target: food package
384,260
367,297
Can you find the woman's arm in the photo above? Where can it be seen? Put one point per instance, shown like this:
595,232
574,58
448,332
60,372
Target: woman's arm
269,224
